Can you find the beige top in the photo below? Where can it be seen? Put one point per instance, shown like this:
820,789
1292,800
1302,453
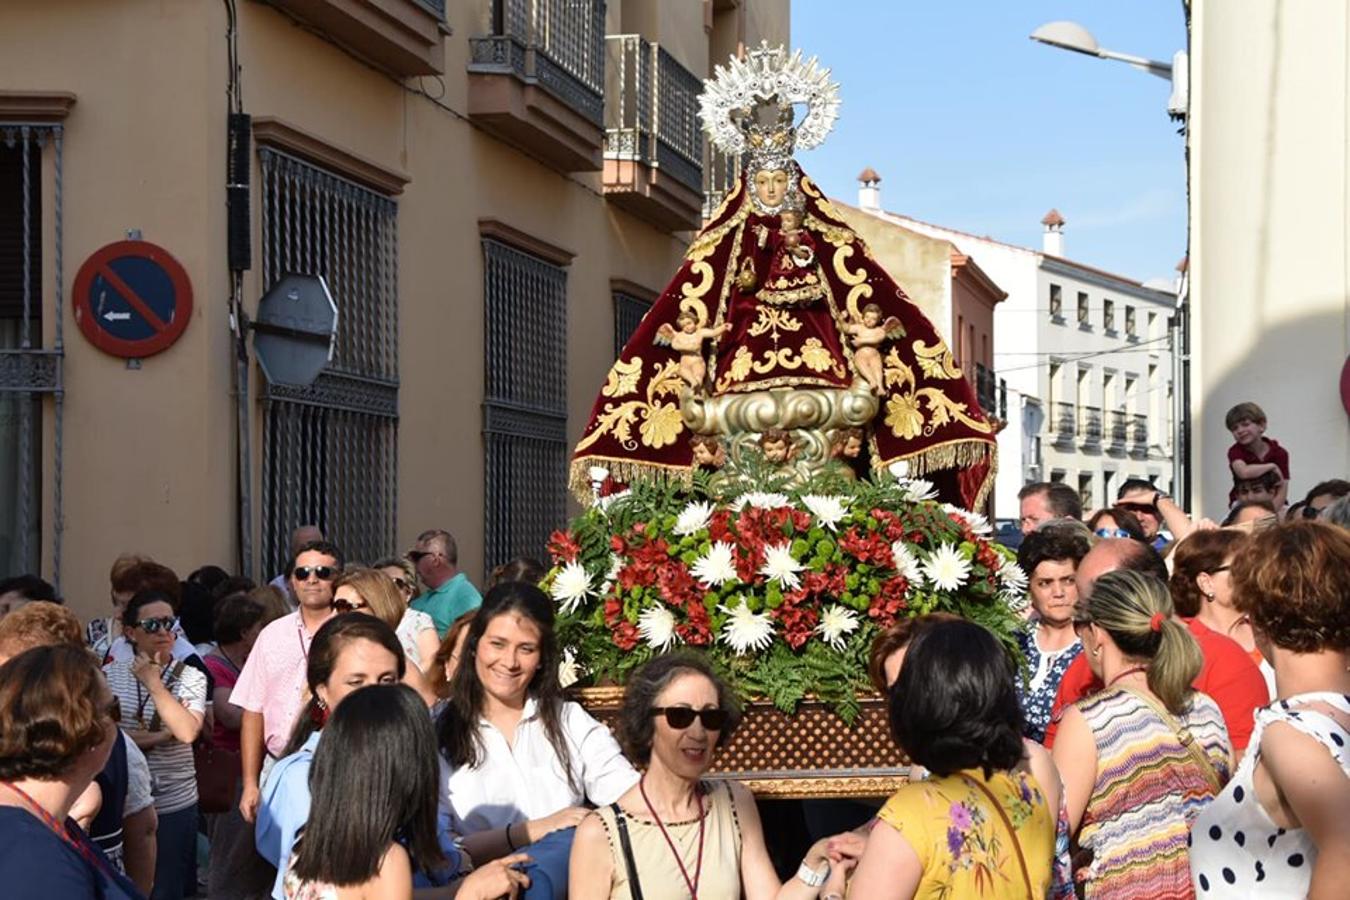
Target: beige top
658,873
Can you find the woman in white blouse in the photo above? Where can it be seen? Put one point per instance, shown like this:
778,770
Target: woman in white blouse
523,759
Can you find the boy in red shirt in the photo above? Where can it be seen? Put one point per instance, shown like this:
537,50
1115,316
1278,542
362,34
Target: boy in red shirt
1253,455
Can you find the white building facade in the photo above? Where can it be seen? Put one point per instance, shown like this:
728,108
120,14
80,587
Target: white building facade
1086,357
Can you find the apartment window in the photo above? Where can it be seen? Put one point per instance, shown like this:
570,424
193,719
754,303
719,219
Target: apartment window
1083,317
27,369
525,409
628,313
1056,302
1152,325
1109,315
1085,490
1130,328
330,450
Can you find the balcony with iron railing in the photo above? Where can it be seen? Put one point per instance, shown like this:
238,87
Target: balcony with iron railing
1090,425
720,171
537,79
403,37
1064,422
653,144
1139,435
1116,438
991,392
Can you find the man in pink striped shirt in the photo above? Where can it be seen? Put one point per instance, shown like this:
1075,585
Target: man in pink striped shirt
271,688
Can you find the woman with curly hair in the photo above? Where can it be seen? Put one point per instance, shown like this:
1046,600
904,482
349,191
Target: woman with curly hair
1280,829
56,733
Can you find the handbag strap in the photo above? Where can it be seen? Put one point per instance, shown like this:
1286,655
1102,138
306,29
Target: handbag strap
1012,832
634,885
1188,741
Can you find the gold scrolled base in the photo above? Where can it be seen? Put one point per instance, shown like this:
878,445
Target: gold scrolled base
811,754
813,418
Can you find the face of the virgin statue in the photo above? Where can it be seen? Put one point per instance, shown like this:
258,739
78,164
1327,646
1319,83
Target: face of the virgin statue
771,186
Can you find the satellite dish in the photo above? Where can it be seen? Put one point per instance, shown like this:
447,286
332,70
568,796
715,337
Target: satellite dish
295,330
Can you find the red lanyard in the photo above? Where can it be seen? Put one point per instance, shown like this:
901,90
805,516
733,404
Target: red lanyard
100,865
692,884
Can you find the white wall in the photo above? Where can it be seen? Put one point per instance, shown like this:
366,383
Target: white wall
1269,258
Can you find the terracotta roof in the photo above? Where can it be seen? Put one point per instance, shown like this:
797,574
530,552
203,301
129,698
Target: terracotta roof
869,176
1052,218
1184,264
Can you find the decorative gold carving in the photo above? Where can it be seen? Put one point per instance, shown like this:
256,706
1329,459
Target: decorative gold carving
704,245
835,235
813,356
659,422
859,289
623,378
936,361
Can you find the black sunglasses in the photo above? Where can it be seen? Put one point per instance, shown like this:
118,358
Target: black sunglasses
418,555
151,626
346,606
402,584
681,717
323,573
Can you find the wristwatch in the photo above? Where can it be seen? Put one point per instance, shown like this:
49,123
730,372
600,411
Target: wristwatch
1159,496
810,877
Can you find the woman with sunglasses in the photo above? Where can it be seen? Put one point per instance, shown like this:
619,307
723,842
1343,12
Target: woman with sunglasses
524,759
1202,588
373,591
675,835
1116,522
56,735
163,704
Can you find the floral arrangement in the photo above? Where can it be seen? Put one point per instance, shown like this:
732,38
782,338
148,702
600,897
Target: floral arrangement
785,589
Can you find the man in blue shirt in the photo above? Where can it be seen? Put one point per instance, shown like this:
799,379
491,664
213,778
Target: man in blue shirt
449,593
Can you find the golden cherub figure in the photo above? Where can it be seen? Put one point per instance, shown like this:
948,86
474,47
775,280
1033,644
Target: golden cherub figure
867,337
688,342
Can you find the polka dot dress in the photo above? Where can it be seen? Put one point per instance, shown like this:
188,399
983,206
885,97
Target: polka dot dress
1236,850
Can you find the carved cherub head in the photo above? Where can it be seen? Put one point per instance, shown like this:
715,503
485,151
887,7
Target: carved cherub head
847,443
776,445
687,322
871,315
708,451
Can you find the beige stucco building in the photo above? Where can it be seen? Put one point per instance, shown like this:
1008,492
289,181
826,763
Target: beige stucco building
1269,265
492,189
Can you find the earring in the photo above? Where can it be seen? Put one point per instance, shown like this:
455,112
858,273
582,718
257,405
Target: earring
1209,596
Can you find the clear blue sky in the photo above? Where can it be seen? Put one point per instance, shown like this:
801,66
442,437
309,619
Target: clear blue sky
974,126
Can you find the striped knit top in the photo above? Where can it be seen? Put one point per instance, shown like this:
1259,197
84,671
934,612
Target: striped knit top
1147,792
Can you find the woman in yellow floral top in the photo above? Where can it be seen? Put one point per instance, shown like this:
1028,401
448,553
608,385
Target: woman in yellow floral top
976,828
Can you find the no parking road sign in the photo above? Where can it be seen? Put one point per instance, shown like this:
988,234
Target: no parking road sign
132,299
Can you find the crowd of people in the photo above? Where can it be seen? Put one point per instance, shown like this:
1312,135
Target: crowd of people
1176,727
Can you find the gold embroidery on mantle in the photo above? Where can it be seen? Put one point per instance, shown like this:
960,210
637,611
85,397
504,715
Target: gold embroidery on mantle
659,423
904,413
936,361
771,320
859,289
623,378
813,356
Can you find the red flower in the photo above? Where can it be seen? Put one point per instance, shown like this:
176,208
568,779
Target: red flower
626,636
869,548
697,632
563,547
719,527
798,623
676,584
618,544
889,601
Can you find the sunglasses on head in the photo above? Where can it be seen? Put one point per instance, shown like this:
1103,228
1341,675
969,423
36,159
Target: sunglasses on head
402,583
681,717
1111,533
346,606
323,573
152,626
418,555
1139,508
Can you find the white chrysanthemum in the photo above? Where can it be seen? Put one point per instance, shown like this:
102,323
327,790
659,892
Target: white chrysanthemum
569,670
1018,603
615,564
780,566
946,569
716,567
759,499
605,503
571,586
1011,577
829,511
977,522
835,622
916,489
656,624
693,518
906,563
745,630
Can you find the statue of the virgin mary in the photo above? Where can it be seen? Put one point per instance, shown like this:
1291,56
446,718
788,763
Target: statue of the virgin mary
780,336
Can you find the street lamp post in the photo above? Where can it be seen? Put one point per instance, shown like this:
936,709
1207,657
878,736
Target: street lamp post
1074,37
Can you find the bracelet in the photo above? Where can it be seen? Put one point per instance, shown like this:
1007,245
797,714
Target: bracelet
509,842
810,877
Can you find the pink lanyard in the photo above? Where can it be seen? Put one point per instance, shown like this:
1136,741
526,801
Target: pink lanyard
692,884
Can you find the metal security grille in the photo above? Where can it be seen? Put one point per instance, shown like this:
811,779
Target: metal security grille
628,313
557,44
330,451
30,363
525,410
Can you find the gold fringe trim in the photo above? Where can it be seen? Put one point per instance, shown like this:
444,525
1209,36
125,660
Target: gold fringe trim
952,455
625,471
